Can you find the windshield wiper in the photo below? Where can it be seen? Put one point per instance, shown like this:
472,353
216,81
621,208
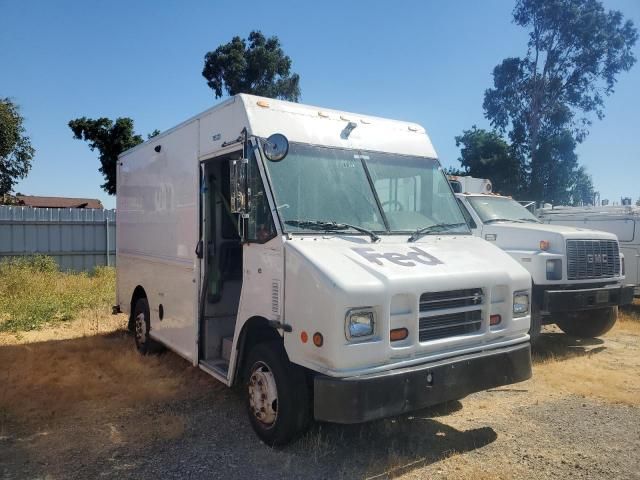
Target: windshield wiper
492,220
330,226
530,220
437,227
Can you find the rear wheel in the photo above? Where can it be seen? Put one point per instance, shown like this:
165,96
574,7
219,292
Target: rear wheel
277,396
142,324
588,323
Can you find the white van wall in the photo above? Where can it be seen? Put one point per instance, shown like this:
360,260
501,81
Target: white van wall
158,232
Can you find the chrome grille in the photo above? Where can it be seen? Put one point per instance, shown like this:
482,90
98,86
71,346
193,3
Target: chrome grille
450,325
450,299
438,321
588,259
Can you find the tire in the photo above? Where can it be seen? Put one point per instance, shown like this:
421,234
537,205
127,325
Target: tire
536,324
277,396
141,327
588,323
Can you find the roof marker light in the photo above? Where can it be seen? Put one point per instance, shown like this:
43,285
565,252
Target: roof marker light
262,103
413,128
323,114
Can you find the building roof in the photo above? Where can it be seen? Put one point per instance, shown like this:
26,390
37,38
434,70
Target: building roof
58,202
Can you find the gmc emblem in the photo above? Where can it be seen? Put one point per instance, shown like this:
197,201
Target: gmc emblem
597,258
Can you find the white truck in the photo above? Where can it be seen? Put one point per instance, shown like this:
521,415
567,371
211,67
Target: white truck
317,257
622,220
577,273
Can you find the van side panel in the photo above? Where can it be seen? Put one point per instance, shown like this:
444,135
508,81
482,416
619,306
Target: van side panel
158,232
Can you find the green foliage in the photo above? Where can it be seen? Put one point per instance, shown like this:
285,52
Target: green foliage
16,151
582,192
485,154
454,171
262,68
33,292
110,139
546,99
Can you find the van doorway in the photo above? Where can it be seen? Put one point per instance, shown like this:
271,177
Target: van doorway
222,266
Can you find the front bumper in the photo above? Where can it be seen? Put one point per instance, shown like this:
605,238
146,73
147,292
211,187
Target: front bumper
554,301
368,397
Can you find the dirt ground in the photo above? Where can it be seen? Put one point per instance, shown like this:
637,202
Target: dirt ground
77,401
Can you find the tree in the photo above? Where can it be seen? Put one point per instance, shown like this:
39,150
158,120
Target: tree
575,52
111,139
16,151
582,191
485,154
261,69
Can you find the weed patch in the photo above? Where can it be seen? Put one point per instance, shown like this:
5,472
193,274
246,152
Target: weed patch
33,292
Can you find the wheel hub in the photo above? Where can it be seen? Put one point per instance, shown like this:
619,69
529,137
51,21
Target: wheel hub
263,394
141,328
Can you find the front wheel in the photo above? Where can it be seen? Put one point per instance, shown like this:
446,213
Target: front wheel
277,396
588,323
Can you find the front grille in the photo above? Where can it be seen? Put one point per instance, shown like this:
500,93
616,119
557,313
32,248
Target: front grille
435,323
450,299
588,259
449,325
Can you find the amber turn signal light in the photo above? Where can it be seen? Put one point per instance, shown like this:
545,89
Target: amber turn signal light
317,339
544,244
398,334
495,319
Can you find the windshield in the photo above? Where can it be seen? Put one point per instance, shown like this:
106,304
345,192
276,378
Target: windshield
500,208
324,184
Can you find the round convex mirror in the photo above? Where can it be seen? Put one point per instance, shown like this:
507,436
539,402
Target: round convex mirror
276,147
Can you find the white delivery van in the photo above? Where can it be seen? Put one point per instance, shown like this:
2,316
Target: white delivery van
622,221
319,258
577,273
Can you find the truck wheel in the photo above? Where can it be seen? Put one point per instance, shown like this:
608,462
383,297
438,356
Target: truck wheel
277,396
142,324
536,324
589,323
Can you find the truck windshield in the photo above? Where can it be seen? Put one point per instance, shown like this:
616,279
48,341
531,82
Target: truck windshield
377,191
494,209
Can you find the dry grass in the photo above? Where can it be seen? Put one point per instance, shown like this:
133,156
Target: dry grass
71,374
81,387
605,369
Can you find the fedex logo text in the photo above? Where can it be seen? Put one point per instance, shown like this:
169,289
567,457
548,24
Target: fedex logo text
410,259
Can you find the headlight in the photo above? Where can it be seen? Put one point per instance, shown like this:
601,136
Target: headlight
360,322
520,304
554,269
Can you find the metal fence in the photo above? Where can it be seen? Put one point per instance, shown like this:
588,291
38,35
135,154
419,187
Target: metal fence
78,239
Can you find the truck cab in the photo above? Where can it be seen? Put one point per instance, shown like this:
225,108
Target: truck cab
319,259
577,273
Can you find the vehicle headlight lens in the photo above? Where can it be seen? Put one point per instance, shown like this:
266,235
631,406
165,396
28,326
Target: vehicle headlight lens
520,304
554,269
360,322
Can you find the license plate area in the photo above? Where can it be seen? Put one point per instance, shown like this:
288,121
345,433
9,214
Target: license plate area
602,296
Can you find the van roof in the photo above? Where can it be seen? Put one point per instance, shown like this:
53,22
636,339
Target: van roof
322,126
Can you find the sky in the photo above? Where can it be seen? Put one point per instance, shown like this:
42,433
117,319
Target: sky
423,61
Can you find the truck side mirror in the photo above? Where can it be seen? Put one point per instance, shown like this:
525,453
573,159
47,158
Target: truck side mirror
239,189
